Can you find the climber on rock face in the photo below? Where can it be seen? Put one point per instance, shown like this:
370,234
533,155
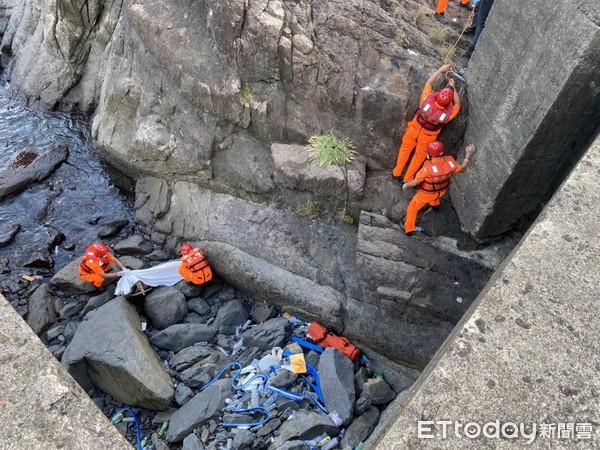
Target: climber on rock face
96,264
435,110
433,181
194,266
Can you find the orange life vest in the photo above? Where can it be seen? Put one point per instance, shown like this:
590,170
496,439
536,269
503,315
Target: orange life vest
91,257
324,338
195,260
431,116
439,173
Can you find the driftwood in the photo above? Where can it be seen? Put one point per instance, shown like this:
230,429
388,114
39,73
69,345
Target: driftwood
16,179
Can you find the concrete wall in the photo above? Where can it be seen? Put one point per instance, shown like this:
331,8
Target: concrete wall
41,406
534,107
527,350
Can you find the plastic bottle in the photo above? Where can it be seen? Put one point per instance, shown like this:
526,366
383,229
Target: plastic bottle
254,399
329,445
163,429
335,418
324,441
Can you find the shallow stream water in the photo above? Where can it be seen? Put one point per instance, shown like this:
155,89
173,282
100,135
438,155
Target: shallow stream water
75,200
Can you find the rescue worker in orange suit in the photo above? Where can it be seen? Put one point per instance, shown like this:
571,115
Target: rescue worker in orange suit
435,110
194,266
433,181
96,264
440,9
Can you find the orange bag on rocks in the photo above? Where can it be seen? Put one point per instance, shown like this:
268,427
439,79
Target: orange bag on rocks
320,336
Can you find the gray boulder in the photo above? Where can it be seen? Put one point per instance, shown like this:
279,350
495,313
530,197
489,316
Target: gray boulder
304,425
8,233
183,394
165,306
192,442
360,428
110,351
67,280
337,383
41,310
96,302
231,315
134,245
266,335
179,336
15,179
198,305
189,356
206,405
378,391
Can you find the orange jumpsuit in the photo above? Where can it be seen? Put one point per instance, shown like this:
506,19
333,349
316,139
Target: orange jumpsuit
443,4
416,137
92,267
423,198
194,267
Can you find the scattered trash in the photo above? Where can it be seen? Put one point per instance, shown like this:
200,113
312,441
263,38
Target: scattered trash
28,278
411,52
366,88
459,299
335,418
298,364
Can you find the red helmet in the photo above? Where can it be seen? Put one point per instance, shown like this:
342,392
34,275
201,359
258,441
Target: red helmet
100,250
185,249
445,96
434,149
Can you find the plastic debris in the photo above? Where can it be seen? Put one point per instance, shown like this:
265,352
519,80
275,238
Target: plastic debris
335,418
459,299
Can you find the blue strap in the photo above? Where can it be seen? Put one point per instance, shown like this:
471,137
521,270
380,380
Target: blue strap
309,345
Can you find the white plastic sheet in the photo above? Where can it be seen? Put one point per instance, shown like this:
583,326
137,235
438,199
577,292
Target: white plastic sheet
166,274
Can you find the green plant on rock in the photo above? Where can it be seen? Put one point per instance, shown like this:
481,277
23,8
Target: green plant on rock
245,95
401,38
328,149
439,36
308,208
347,218
418,17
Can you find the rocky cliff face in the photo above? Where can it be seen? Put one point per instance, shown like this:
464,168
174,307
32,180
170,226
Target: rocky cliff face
213,100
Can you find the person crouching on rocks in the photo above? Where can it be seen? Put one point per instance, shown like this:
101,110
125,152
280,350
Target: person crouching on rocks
194,266
96,264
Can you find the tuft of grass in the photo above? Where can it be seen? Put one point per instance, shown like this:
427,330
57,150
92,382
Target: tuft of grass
439,36
443,50
401,38
245,95
308,208
418,17
328,149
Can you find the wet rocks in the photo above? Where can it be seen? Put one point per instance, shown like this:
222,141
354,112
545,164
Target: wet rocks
111,229
15,179
8,233
110,351
67,280
134,245
41,310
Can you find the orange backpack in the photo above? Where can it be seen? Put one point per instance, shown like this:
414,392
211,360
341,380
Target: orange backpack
320,336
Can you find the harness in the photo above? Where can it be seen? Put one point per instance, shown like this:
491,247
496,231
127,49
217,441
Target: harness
430,116
438,174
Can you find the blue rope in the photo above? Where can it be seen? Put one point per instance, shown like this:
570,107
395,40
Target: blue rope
248,424
217,376
115,419
247,382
